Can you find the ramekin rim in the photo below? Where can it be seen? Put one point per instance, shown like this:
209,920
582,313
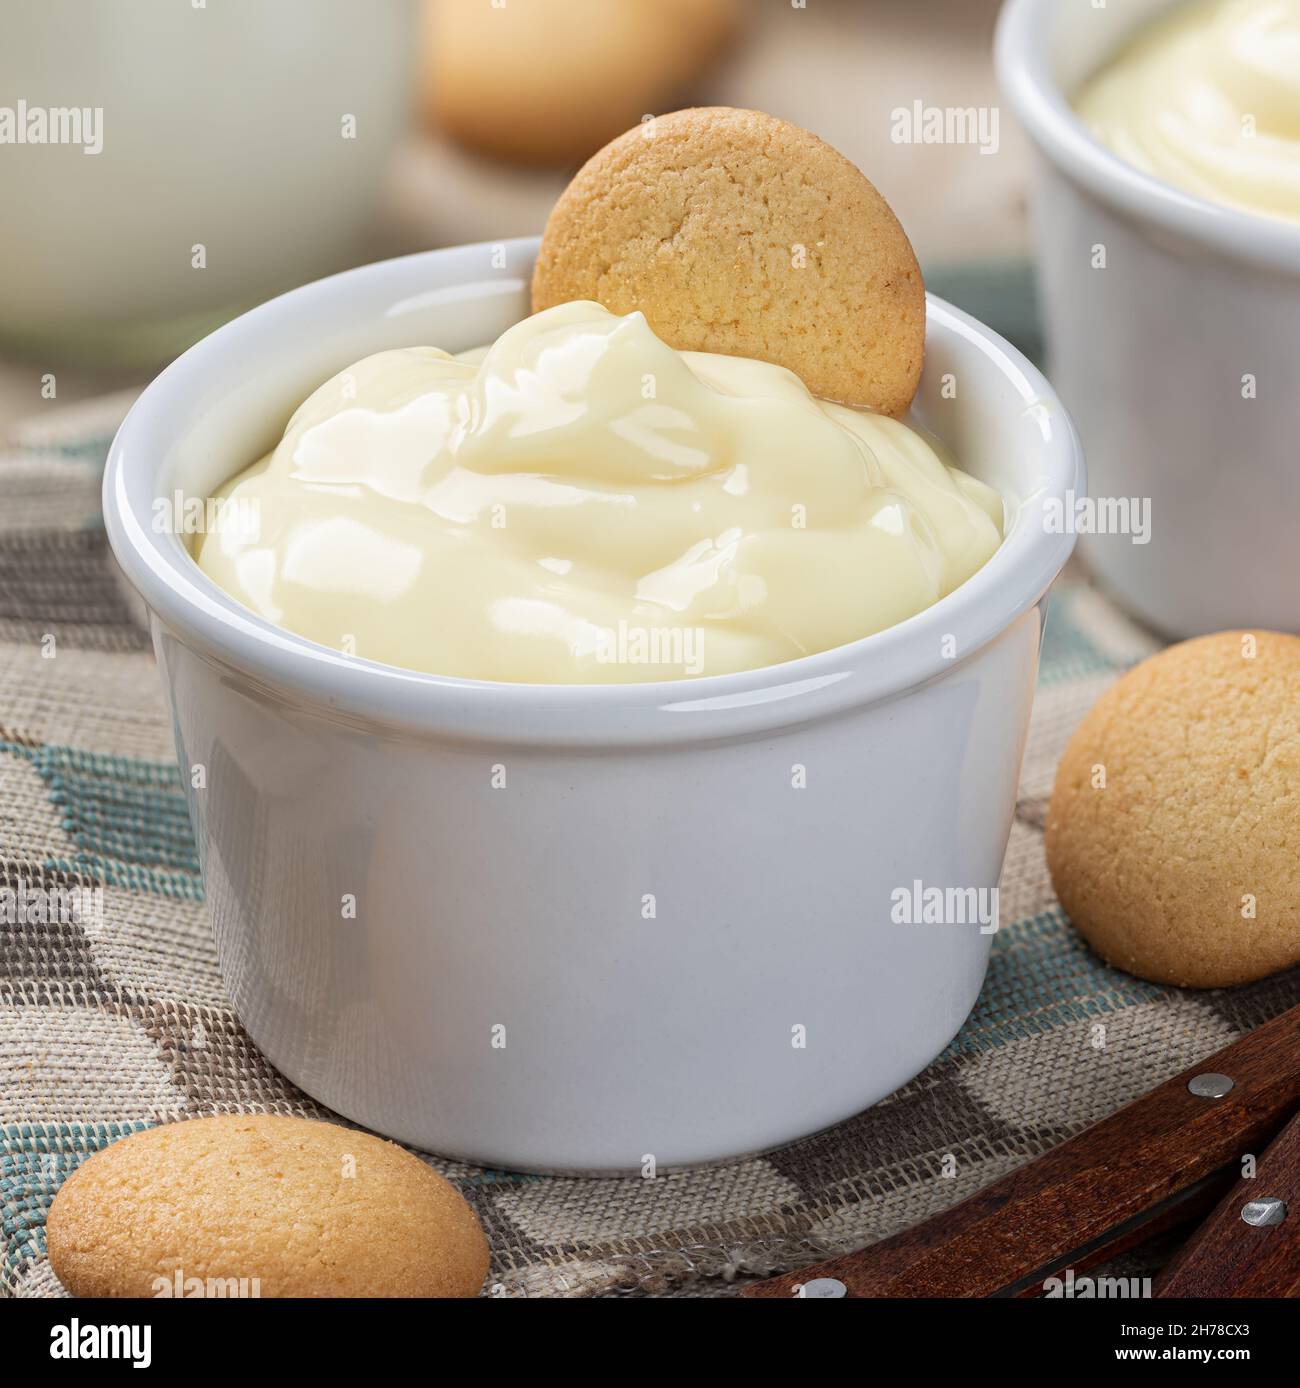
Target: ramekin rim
868,670
1271,243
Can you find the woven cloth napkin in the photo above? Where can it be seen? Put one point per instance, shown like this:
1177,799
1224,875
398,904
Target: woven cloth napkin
117,1023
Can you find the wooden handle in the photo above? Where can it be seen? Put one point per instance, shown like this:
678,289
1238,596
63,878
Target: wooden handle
1232,1256
1180,1214
1082,1191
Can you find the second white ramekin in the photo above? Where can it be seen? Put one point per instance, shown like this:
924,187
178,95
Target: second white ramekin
587,927
1173,333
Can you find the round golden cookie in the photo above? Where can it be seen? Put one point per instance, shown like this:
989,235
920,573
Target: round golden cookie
203,1207
736,232
1173,830
548,81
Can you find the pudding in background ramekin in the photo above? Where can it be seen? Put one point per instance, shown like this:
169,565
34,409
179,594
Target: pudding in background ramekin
574,927
1173,333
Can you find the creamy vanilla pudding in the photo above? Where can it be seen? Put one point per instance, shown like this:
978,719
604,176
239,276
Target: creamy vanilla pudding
1208,98
580,503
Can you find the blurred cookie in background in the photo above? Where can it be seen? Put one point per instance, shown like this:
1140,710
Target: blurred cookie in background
551,81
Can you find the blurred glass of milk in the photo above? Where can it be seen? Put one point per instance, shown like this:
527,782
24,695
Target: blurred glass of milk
244,147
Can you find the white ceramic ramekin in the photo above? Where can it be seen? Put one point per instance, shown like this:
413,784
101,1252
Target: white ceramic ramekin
1151,352
593,924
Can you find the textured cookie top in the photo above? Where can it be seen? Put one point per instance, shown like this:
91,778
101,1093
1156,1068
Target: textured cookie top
308,1209
1174,825
739,233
